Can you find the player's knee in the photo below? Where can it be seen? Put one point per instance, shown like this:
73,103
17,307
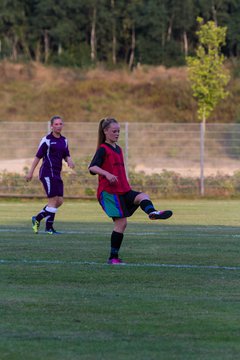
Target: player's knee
140,197
60,202
120,225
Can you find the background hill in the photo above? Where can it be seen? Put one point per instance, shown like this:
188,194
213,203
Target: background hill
34,92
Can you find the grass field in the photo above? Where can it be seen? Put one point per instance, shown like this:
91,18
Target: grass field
177,297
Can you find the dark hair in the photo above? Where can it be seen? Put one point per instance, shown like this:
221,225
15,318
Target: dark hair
104,124
55,117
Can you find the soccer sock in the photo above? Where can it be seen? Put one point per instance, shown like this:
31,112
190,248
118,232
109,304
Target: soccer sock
42,214
116,241
50,217
147,206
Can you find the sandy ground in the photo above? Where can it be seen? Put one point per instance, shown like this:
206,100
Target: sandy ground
228,167
190,168
189,172
16,165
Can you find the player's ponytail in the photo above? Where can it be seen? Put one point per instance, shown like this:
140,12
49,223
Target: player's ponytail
104,124
101,135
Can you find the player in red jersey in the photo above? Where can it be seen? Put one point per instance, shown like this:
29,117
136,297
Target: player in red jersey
114,193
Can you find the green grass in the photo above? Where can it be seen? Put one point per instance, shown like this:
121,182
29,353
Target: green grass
177,297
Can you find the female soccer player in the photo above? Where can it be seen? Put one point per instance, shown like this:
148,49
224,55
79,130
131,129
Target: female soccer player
53,149
114,193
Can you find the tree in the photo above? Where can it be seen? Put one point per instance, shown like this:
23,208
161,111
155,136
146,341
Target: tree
14,27
130,19
206,71
207,75
47,15
151,32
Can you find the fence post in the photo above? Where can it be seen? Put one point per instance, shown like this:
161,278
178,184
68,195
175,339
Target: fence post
48,127
202,150
126,148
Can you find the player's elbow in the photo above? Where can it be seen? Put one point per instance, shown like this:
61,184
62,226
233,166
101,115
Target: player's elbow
90,169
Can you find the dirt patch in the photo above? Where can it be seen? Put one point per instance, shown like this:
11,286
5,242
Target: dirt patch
15,166
184,168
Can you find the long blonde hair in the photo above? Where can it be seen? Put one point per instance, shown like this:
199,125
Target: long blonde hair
104,124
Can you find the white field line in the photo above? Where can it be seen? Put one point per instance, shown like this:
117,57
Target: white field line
182,233
80,263
61,262
76,232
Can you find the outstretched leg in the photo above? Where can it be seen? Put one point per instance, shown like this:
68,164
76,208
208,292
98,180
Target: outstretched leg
147,206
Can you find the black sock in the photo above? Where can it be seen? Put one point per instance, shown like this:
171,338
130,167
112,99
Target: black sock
116,241
49,220
43,213
147,206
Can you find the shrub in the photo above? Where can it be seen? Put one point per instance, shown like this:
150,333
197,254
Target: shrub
166,184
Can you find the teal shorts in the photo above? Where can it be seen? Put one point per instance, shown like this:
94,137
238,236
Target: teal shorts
119,206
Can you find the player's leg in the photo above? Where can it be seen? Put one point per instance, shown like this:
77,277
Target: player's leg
54,191
51,210
116,240
43,213
55,199
147,206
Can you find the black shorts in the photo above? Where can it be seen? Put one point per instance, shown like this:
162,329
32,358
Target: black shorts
52,186
119,206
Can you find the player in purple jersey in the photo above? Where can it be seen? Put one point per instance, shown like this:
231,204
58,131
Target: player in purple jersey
53,149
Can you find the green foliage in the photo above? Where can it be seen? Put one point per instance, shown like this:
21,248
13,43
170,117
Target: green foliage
74,56
153,31
167,184
206,73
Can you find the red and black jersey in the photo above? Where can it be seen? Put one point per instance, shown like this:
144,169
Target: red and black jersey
110,159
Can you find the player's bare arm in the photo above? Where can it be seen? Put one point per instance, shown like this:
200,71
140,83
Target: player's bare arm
99,171
70,162
33,167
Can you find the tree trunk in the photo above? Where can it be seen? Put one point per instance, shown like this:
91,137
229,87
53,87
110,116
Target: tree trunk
25,47
38,52
114,40
46,46
202,155
185,43
214,12
59,49
93,35
169,32
133,44
14,48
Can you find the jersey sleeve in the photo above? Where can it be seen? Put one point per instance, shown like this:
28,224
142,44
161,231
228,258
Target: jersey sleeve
66,152
42,148
98,158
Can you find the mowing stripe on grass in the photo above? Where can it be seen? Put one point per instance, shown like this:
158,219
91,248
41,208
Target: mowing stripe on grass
161,231
62,262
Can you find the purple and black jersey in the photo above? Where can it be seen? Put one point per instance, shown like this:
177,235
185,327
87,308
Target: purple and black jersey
52,150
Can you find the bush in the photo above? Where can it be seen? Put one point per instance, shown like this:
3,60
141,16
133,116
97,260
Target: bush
166,184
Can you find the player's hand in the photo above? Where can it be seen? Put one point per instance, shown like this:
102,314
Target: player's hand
71,164
112,178
28,177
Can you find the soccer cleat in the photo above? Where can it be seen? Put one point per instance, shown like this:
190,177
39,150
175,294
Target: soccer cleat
115,262
163,214
52,232
35,225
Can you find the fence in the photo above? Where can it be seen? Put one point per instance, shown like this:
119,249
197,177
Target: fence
166,150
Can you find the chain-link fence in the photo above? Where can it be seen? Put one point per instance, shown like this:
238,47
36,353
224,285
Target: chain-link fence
155,155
